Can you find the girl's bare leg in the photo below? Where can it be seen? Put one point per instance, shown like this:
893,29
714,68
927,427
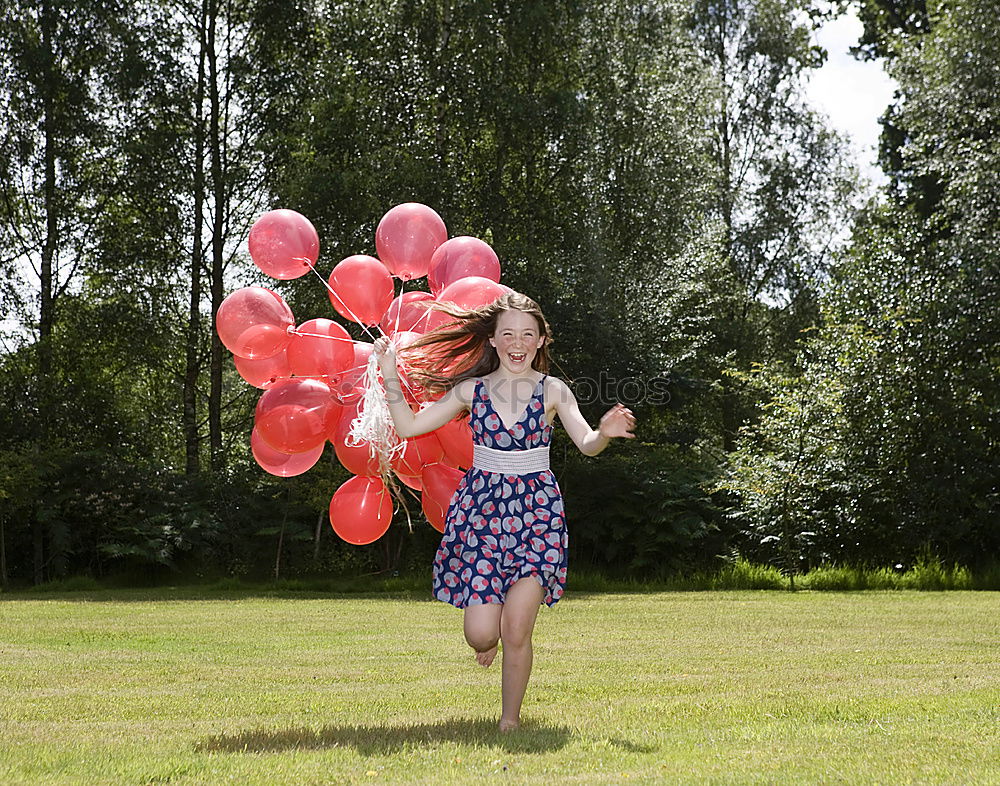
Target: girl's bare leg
482,630
516,625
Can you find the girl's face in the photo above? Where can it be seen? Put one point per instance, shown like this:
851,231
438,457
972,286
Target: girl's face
517,339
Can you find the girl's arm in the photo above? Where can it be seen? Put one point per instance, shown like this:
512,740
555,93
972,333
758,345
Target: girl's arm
407,422
616,422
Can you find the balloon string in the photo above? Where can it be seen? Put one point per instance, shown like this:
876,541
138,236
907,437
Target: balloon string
373,425
324,377
402,502
403,382
351,314
399,306
297,332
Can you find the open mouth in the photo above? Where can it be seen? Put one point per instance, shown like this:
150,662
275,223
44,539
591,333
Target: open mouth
516,357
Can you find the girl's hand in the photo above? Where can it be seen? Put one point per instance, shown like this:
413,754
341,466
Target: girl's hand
617,422
385,353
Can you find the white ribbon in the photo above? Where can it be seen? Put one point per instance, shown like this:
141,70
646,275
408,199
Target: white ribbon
510,462
374,423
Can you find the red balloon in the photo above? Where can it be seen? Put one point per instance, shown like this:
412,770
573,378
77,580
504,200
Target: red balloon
291,417
403,338
456,439
407,237
348,389
333,418
284,465
406,312
312,356
253,323
472,292
418,451
413,481
434,513
440,484
266,404
284,244
361,510
264,372
357,459
361,289
467,293
460,257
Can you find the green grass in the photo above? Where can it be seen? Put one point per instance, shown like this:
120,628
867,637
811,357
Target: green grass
196,686
926,574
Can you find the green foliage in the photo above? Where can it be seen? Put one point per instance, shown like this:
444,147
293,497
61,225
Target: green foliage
71,584
837,467
742,575
781,191
658,518
886,21
928,573
567,134
788,467
648,172
882,443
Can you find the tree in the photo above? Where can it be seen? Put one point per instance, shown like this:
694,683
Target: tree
911,339
782,189
570,136
55,62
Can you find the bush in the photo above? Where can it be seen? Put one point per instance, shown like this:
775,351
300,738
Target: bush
71,584
928,573
742,575
641,511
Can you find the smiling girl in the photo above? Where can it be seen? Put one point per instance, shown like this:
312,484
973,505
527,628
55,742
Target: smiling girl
503,553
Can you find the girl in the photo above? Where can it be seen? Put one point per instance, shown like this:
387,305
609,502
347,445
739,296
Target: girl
504,546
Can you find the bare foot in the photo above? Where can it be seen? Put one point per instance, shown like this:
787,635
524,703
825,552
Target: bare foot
486,657
509,725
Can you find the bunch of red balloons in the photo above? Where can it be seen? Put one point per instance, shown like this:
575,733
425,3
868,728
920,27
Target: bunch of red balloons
313,374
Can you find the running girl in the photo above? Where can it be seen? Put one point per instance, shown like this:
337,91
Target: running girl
504,547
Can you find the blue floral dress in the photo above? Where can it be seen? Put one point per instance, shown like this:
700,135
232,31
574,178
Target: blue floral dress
501,527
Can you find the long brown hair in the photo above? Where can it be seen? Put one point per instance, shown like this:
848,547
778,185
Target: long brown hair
461,349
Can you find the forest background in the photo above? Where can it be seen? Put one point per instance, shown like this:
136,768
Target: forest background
650,172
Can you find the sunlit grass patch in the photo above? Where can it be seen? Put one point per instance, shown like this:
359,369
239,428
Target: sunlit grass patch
692,687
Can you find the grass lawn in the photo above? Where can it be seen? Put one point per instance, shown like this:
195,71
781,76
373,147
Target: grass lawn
724,687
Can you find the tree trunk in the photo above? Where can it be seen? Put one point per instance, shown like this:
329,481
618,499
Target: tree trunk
319,529
218,227
192,440
46,317
3,554
281,537
731,415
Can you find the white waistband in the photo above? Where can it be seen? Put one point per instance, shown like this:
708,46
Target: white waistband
510,462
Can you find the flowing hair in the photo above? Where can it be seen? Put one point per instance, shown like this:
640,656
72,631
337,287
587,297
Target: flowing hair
461,349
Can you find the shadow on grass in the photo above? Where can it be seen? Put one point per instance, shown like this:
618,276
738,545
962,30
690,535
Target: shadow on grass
532,737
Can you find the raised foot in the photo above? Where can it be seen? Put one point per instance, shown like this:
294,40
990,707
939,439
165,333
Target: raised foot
486,657
509,725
